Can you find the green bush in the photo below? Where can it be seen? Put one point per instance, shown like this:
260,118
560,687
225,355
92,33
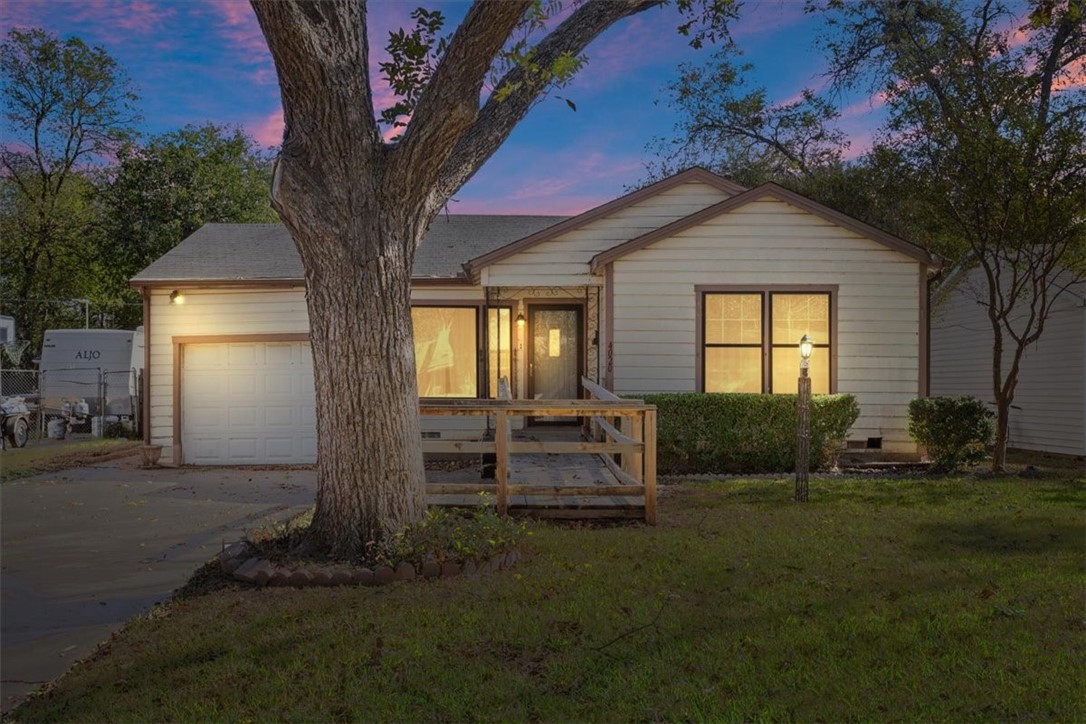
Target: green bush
957,431
745,433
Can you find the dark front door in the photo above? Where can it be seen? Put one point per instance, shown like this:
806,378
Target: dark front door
555,357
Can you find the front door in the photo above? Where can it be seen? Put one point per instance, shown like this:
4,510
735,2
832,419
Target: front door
555,356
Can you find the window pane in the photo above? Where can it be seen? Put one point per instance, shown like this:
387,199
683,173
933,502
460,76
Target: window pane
795,315
786,370
445,351
733,369
733,318
500,348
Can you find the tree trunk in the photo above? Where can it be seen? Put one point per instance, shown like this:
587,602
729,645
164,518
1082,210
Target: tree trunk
369,461
1002,434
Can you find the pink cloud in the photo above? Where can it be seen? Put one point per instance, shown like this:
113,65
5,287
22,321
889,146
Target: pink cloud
767,15
1073,77
114,21
865,106
269,130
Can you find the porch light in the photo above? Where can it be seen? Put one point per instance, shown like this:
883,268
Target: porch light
520,320
176,297
806,346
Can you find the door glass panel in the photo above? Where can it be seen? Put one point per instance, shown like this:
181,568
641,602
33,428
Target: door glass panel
500,347
445,351
555,351
733,369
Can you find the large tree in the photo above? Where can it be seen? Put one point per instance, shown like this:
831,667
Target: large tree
988,114
358,208
67,106
162,190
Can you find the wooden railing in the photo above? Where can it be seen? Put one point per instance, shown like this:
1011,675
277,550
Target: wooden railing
628,450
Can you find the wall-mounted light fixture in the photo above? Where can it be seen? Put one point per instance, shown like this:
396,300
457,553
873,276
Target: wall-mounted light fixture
176,297
520,320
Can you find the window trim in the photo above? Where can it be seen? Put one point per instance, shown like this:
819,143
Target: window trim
765,290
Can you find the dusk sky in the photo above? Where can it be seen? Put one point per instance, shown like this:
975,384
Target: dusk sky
195,61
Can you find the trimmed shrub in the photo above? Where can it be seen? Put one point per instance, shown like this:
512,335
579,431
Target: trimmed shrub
957,431
745,433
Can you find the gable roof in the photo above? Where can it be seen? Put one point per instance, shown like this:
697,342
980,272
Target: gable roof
696,174
259,253
782,194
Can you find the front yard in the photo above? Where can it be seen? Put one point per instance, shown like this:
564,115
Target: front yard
943,599
46,456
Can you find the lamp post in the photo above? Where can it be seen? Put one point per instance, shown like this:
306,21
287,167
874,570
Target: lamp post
803,408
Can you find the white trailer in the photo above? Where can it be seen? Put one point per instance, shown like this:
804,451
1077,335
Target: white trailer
94,366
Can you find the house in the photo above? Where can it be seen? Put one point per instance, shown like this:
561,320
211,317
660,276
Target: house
1048,413
692,283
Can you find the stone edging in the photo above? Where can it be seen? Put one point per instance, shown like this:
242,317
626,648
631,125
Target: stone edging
239,561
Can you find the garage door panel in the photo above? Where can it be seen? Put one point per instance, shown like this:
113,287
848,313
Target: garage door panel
248,403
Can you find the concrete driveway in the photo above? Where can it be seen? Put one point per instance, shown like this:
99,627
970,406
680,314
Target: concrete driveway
83,550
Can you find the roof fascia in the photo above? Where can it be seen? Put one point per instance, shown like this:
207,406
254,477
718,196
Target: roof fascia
770,189
696,174
274,283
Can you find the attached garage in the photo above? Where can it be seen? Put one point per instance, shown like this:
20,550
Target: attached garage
247,402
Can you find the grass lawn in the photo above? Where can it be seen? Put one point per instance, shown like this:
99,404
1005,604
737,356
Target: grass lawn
943,599
51,455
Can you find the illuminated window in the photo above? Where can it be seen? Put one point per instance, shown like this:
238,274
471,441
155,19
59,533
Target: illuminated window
751,340
500,347
446,356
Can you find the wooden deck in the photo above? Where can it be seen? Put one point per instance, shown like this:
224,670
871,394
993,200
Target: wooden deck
585,473
605,468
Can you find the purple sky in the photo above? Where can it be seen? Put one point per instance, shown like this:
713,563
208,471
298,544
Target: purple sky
205,60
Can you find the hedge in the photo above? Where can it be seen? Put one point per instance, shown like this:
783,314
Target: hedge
957,431
745,433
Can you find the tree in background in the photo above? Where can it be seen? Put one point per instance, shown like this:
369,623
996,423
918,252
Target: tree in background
358,208
68,107
990,127
734,130
162,191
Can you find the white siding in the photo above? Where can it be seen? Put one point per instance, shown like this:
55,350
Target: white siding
246,312
1049,408
563,261
770,243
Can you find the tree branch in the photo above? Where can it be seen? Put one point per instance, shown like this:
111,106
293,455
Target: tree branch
450,103
497,118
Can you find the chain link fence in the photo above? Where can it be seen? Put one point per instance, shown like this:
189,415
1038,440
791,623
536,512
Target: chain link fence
85,401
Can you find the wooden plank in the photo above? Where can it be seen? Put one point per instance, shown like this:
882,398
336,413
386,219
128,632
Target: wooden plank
614,432
599,391
650,466
460,488
457,446
555,447
579,513
501,468
637,460
623,477
590,490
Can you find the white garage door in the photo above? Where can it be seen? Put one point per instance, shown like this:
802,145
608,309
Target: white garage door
248,403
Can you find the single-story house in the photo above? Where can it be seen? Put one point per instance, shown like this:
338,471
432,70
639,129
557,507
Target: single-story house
691,284
1048,413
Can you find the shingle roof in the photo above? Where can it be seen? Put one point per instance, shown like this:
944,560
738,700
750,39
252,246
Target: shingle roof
253,252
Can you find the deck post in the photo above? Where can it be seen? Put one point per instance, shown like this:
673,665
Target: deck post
637,466
650,466
501,469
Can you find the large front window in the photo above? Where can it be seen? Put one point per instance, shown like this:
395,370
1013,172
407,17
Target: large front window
447,348
446,357
751,340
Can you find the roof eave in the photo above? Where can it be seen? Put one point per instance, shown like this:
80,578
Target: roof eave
697,173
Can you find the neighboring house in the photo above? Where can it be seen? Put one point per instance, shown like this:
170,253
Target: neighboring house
692,283
1049,408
